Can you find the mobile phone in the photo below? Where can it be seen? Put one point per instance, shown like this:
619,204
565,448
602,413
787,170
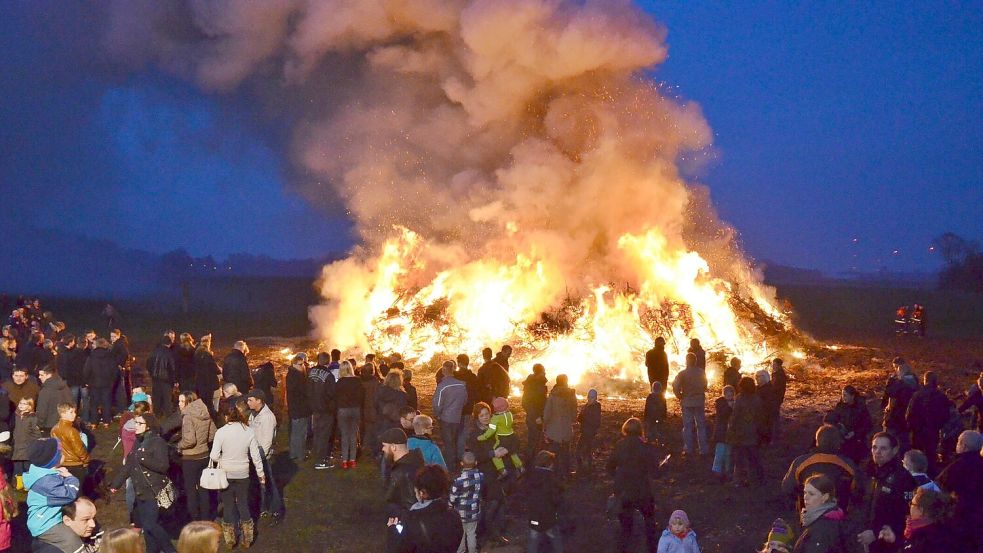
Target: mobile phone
399,527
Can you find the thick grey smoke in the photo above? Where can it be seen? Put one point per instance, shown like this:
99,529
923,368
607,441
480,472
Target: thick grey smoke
490,127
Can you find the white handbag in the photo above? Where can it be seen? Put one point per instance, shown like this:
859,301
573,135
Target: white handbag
213,478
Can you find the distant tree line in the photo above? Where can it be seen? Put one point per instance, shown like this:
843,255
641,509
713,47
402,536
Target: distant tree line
963,263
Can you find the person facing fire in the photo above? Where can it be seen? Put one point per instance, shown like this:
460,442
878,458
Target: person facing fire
901,320
657,363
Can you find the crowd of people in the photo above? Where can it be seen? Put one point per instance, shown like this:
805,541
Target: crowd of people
194,428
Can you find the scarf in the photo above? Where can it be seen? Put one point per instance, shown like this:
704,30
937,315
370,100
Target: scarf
912,525
681,535
421,505
808,516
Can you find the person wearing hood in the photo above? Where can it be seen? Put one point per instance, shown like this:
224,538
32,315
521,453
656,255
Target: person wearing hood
657,363
235,367
534,404
101,373
197,431
678,537
590,423
146,466
50,486
448,399
558,418
823,521
53,392
163,375
898,391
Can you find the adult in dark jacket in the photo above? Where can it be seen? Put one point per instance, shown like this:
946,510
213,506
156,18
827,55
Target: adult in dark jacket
235,367
494,500
823,521
430,525
371,424
163,375
349,397
101,374
544,501
558,419
400,494
298,406
769,405
470,380
827,461
21,385
534,403
697,350
888,489
146,466
493,379
633,464
502,358
852,418
928,411
53,392
389,399
926,530
206,372
321,396
974,398
744,433
120,349
732,374
779,379
589,418
184,362
448,398
657,363
900,387
71,367
963,478
264,378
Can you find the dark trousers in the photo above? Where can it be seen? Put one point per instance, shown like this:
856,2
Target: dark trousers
449,432
82,473
627,520
553,536
928,442
121,391
585,452
323,435
160,395
198,498
101,399
235,501
147,516
535,440
747,463
562,452
270,499
492,521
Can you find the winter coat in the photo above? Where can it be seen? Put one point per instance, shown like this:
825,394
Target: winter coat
690,387
888,490
827,534
633,463
897,396
412,399
146,466
120,351
100,369
723,410
963,478
744,427
844,474
206,373
731,377
184,363
779,379
349,393
321,390
934,538
263,424
298,402
493,381
197,431
370,386
769,409
701,356
26,431
53,391
234,446
851,417
928,411
560,413
161,366
449,399
431,453
470,381
73,450
71,365
388,402
534,395
15,393
434,528
264,378
974,399
235,369
544,498
400,493
47,492
670,543
590,418
484,452
657,365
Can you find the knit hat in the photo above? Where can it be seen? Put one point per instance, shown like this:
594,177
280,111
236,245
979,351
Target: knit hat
781,535
393,436
592,395
681,515
44,453
500,404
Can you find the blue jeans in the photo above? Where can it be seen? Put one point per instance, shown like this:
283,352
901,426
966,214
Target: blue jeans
298,438
694,416
722,464
270,499
148,518
553,536
80,395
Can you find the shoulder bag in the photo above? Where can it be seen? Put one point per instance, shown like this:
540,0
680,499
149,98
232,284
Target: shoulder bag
213,478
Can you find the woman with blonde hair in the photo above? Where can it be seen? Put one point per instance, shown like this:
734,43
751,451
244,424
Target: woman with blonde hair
184,361
123,540
206,372
200,536
234,446
349,395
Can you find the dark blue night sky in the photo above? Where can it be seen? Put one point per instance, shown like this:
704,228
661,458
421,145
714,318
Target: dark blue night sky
832,122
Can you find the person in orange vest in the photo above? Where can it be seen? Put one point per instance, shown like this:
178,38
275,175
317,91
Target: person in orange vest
901,320
918,319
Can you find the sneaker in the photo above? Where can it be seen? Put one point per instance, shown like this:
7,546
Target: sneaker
344,465
276,519
324,465
265,514
351,464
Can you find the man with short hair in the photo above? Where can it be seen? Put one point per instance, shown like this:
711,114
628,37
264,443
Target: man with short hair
690,387
963,478
928,411
448,401
80,530
121,353
493,379
235,367
826,460
53,392
70,362
889,489
298,406
400,494
101,373
20,386
263,422
320,395
163,374
657,363
470,380
534,404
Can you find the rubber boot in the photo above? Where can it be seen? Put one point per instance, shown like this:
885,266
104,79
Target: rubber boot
248,533
229,534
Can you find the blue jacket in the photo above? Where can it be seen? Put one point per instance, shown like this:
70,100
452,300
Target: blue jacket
48,491
669,543
431,453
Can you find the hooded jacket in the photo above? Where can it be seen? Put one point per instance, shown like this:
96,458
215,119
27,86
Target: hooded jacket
429,528
321,390
100,369
560,414
197,431
47,492
53,391
671,543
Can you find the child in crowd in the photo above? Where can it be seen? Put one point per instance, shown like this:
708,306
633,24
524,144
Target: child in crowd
916,463
781,538
500,428
465,498
678,537
8,512
26,432
544,495
656,412
50,486
411,398
75,455
589,418
422,429
724,405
